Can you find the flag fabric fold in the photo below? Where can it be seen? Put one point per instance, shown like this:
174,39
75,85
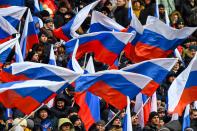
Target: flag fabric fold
109,43
6,30
68,31
29,36
183,89
28,95
157,69
13,14
113,84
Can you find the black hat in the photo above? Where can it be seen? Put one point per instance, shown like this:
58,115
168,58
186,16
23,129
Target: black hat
74,118
170,74
152,114
44,13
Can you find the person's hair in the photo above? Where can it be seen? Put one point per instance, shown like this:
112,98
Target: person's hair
193,110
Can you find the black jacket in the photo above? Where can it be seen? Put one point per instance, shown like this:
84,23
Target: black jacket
121,16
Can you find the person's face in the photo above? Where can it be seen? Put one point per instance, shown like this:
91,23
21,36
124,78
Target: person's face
117,122
43,114
155,120
60,104
161,123
147,2
66,127
161,114
194,115
158,103
137,5
100,127
63,10
135,120
35,57
105,13
43,38
176,67
161,10
171,79
77,122
121,2
193,52
49,25
175,18
110,7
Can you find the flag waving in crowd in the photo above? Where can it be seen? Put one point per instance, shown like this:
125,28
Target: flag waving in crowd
98,65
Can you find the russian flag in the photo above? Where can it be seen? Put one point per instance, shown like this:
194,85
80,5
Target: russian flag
68,31
183,90
18,53
157,69
127,123
73,63
109,43
89,110
7,3
113,85
31,70
186,118
29,36
52,60
13,14
28,95
130,10
143,108
5,49
100,22
36,6
6,30
152,43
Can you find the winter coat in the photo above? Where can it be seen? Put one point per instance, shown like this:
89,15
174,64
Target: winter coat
60,113
137,127
50,120
149,10
121,16
150,127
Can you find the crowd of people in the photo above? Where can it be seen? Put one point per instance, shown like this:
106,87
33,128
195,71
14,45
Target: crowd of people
63,116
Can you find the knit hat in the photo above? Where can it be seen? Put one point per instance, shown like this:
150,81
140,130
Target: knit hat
18,121
101,122
152,114
74,118
30,123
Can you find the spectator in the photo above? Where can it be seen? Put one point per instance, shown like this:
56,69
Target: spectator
148,10
62,15
100,125
135,122
61,107
65,124
78,125
190,12
121,13
44,120
137,7
162,16
193,117
116,125
174,17
153,122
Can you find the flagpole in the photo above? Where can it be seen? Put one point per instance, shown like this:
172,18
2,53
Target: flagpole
27,116
84,64
112,118
143,106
